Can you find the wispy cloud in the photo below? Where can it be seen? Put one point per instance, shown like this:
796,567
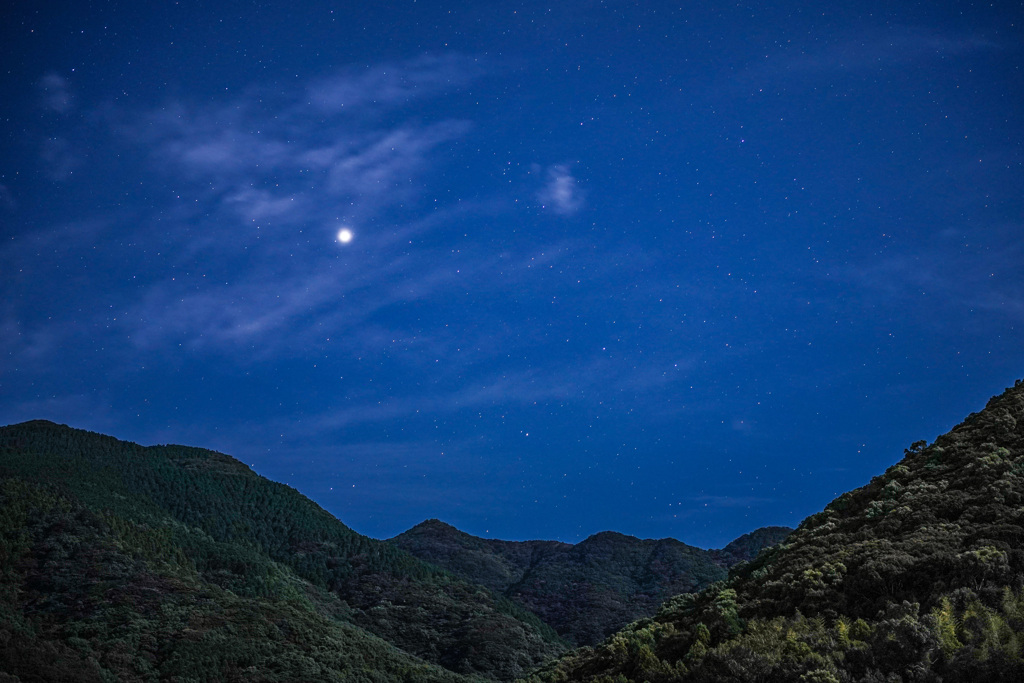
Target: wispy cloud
7,202
392,84
256,205
897,45
290,165
59,158
234,256
385,164
522,388
561,192
277,306
593,379
261,184
960,278
55,93
857,52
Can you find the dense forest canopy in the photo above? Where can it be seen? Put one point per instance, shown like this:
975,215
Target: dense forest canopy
193,550
123,562
588,590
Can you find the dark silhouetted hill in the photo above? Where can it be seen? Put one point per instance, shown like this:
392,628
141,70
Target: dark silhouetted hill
588,590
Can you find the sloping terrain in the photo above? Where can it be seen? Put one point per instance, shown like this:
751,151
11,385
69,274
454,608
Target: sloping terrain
144,563
749,546
918,576
119,562
588,590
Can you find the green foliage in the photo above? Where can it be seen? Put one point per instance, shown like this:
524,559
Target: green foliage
918,576
588,590
126,563
135,563
946,626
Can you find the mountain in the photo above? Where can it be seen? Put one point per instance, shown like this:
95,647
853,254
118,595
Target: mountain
588,590
917,576
748,546
123,562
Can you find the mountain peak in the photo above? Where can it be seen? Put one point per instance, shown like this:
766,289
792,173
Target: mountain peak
434,523
609,537
432,528
38,423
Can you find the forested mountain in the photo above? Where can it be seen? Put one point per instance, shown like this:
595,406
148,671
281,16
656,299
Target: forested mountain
749,546
121,562
918,576
588,590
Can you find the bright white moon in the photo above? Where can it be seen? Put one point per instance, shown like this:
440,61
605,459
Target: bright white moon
345,235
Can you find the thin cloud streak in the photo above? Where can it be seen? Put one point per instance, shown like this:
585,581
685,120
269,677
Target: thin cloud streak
855,53
523,387
392,84
899,45
938,271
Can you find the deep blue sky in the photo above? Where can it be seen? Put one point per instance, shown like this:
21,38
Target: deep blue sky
672,271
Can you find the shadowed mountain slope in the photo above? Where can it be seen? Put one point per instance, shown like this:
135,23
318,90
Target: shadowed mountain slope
588,590
749,546
143,563
917,576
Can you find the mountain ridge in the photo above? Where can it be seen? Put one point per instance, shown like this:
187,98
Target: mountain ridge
588,589
119,561
916,576
435,523
229,529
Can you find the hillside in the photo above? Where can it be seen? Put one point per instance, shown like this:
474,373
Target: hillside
588,590
181,563
748,546
917,576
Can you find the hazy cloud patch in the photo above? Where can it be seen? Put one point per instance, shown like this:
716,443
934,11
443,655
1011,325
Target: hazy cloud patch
59,158
857,53
561,192
968,280
55,93
394,83
7,202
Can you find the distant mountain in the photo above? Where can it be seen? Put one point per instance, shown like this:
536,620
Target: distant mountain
121,562
749,546
588,590
918,576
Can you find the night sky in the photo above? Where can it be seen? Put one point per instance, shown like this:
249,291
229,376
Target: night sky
670,269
